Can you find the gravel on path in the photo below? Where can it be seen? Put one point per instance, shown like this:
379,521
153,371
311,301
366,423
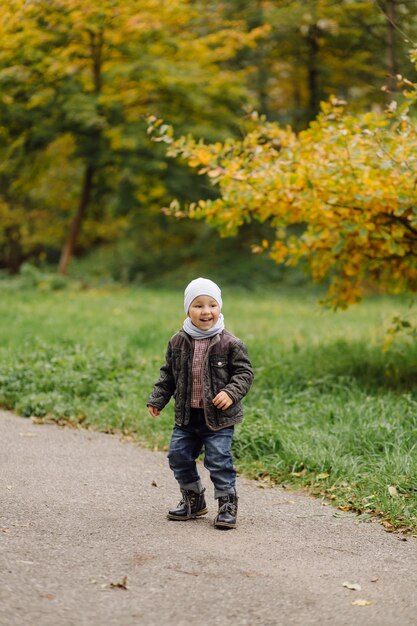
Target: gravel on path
84,541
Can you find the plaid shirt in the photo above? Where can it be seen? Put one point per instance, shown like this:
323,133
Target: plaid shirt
200,349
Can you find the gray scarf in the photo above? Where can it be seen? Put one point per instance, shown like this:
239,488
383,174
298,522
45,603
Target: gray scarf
196,333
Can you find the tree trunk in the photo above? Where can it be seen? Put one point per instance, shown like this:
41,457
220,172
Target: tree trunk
298,106
390,38
312,72
96,49
68,249
260,60
13,250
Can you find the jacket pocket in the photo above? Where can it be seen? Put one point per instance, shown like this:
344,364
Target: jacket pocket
233,411
219,371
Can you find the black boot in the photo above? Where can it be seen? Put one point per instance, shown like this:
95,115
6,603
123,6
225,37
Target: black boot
191,506
226,517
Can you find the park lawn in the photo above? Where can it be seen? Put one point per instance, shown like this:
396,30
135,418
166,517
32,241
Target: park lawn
329,410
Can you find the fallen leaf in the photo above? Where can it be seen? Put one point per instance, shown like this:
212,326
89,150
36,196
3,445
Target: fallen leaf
374,579
28,434
342,514
345,507
362,603
298,474
140,559
352,586
120,585
154,483
322,476
393,491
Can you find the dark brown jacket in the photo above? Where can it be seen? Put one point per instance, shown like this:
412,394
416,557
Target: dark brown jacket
226,367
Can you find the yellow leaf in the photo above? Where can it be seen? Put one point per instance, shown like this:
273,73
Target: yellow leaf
213,173
298,474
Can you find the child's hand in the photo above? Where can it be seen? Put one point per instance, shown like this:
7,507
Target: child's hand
153,410
222,401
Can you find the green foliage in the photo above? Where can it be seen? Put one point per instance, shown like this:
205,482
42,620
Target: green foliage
182,254
339,195
76,82
329,409
315,48
31,276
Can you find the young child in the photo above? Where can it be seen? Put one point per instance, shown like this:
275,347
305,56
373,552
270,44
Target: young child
208,372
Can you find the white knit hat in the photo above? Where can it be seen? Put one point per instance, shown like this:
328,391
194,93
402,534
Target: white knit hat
201,287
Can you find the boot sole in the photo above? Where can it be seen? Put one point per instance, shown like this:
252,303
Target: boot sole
185,519
223,526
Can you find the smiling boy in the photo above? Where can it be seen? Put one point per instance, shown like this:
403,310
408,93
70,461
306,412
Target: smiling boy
208,371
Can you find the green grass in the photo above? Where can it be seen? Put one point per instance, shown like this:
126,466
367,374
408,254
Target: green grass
329,410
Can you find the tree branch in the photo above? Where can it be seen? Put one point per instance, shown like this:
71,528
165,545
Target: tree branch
402,220
390,216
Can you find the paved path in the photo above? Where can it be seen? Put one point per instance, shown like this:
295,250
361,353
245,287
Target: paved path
81,511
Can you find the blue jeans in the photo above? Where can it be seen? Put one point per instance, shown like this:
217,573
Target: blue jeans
186,445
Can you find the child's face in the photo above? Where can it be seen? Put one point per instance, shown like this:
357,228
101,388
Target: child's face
204,312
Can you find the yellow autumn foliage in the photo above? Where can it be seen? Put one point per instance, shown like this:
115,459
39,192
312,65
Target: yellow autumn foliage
348,183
